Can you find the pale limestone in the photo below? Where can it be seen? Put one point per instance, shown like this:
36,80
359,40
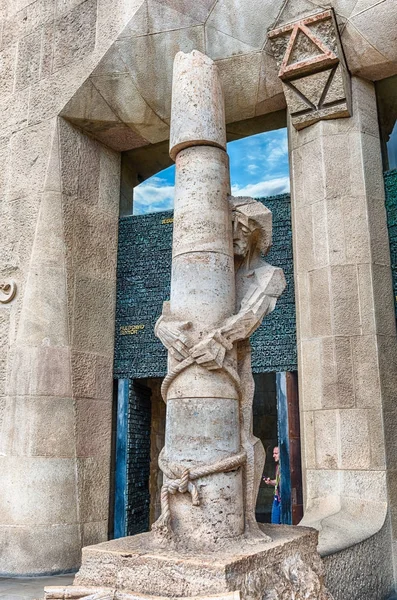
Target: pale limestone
354,430
29,59
195,123
248,22
211,461
247,569
53,415
137,114
17,558
320,315
243,70
93,427
197,323
25,23
326,432
74,34
42,477
376,24
93,489
345,362
312,67
221,45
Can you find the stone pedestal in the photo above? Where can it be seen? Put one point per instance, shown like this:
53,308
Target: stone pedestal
288,567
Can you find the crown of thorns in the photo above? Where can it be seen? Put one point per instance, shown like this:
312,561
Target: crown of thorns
255,216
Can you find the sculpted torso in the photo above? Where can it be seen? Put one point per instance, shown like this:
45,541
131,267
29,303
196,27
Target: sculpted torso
258,285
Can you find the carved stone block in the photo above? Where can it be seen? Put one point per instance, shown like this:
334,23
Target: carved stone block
137,568
312,68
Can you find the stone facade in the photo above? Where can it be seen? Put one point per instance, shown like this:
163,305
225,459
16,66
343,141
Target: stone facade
105,68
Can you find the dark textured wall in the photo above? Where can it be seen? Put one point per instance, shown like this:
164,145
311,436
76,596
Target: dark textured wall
391,211
143,283
138,459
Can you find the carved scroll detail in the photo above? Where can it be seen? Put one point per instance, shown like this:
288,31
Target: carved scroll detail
7,292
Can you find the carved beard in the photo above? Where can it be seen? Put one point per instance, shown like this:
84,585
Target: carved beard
240,248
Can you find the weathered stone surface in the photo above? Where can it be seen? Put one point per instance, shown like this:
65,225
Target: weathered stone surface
311,61
245,22
288,565
75,34
42,478
339,232
78,35
55,416
209,379
25,548
202,122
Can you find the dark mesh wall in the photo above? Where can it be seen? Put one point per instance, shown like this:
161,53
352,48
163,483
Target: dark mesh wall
143,283
391,211
138,459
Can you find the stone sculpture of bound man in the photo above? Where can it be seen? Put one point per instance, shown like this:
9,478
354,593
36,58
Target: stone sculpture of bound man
258,285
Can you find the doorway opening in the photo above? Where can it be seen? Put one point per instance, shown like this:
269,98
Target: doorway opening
141,436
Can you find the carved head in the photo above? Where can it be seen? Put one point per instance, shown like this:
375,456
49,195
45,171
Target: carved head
252,226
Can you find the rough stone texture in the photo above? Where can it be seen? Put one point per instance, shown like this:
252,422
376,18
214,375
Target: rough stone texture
312,67
59,363
233,34
207,323
363,570
287,567
35,90
196,122
341,348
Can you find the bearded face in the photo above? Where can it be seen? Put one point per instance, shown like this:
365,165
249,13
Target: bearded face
242,233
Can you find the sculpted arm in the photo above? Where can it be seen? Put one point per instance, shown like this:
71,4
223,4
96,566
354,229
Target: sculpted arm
172,334
267,285
260,300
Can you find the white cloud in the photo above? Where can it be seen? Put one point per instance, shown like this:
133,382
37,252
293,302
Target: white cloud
270,187
153,195
252,168
277,150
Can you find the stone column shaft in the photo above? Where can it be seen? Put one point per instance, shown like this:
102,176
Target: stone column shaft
202,405
345,319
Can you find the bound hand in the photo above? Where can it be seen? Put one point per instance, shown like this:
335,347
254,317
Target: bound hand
210,353
171,335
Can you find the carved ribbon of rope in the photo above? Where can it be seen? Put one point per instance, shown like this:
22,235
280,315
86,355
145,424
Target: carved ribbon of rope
182,366
182,478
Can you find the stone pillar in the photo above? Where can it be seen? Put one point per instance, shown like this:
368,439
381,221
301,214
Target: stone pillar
202,425
345,320
60,210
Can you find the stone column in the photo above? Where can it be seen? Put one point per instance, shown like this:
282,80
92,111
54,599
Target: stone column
60,210
345,320
202,425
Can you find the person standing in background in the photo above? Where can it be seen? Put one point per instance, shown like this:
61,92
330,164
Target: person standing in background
276,507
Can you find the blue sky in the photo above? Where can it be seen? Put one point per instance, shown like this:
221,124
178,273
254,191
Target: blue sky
258,167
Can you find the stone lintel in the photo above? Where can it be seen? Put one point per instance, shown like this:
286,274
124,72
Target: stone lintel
312,69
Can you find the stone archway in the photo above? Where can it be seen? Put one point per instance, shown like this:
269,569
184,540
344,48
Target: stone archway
60,207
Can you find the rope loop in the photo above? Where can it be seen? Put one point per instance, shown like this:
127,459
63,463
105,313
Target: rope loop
184,482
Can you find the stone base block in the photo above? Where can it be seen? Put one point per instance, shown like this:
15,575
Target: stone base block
285,568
